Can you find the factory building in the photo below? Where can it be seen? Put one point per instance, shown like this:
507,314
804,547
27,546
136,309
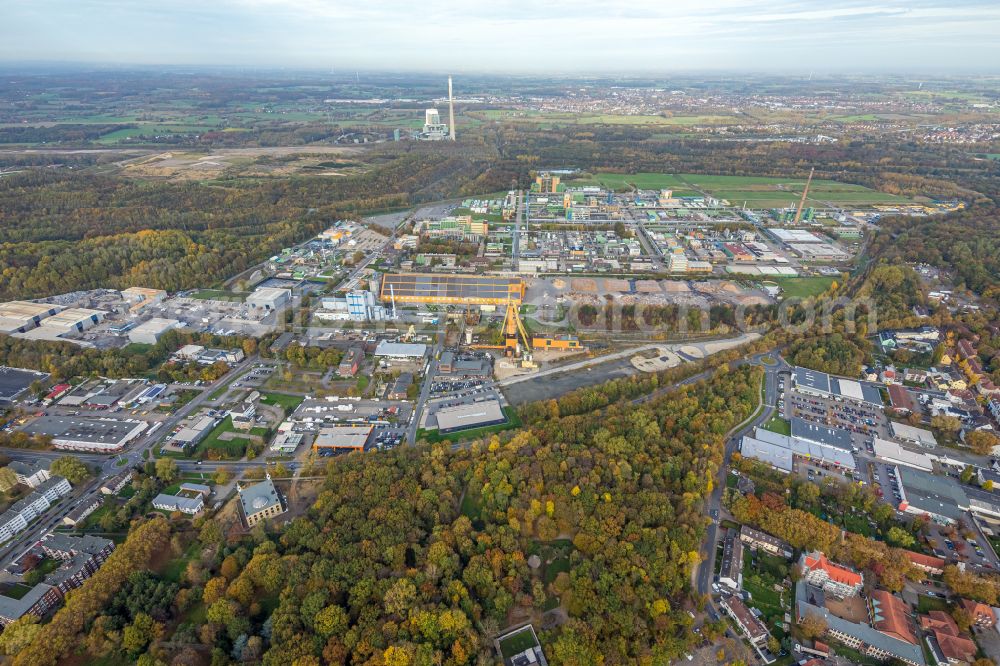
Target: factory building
434,129
149,332
475,415
74,319
85,434
191,435
451,289
21,316
342,438
269,298
140,297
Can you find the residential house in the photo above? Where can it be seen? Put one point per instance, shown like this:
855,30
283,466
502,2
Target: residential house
982,614
731,573
757,540
835,579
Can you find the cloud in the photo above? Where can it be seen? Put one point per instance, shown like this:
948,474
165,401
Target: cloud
509,35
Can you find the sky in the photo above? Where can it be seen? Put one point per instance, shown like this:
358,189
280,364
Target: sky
512,36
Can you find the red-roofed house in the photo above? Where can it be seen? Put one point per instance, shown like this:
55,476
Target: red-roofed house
926,563
900,398
982,615
965,349
952,645
891,616
835,579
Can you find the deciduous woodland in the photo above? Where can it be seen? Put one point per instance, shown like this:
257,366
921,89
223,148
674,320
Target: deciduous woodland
420,555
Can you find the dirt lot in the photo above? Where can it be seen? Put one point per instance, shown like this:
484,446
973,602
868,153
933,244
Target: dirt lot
179,165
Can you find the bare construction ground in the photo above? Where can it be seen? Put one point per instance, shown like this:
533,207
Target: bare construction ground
183,165
647,286
612,284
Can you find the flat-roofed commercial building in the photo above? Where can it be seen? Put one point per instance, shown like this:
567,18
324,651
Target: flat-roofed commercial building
451,289
780,451
21,316
821,434
813,382
907,433
15,381
74,319
269,298
149,332
84,434
475,415
342,438
401,350
892,452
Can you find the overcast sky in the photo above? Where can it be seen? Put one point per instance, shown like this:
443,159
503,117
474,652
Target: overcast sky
511,35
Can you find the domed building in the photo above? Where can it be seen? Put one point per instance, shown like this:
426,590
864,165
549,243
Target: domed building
260,501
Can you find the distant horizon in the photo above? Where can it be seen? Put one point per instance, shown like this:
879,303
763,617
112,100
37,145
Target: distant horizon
560,38
54,66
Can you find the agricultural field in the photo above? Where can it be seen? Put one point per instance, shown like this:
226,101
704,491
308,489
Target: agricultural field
558,118
756,191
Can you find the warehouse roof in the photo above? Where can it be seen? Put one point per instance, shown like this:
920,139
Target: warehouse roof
485,289
893,452
470,416
401,349
69,318
815,432
343,437
78,429
912,434
156,325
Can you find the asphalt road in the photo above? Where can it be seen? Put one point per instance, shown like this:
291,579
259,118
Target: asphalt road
425,388
109,465
706,569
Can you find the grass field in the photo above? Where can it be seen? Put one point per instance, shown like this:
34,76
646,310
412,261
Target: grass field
778,425
803,287
517,643
232,449
926,604
756,191
288,402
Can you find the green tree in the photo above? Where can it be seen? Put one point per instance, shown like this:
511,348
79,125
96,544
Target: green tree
166,469
71,468
897,536
137,635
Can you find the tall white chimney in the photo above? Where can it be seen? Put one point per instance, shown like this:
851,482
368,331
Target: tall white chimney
451,112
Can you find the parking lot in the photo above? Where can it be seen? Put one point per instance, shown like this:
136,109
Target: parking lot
388,419
961,544
864,422
474,395
442,386
818,472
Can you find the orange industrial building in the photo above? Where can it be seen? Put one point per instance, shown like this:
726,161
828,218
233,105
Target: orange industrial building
559,342
451,289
